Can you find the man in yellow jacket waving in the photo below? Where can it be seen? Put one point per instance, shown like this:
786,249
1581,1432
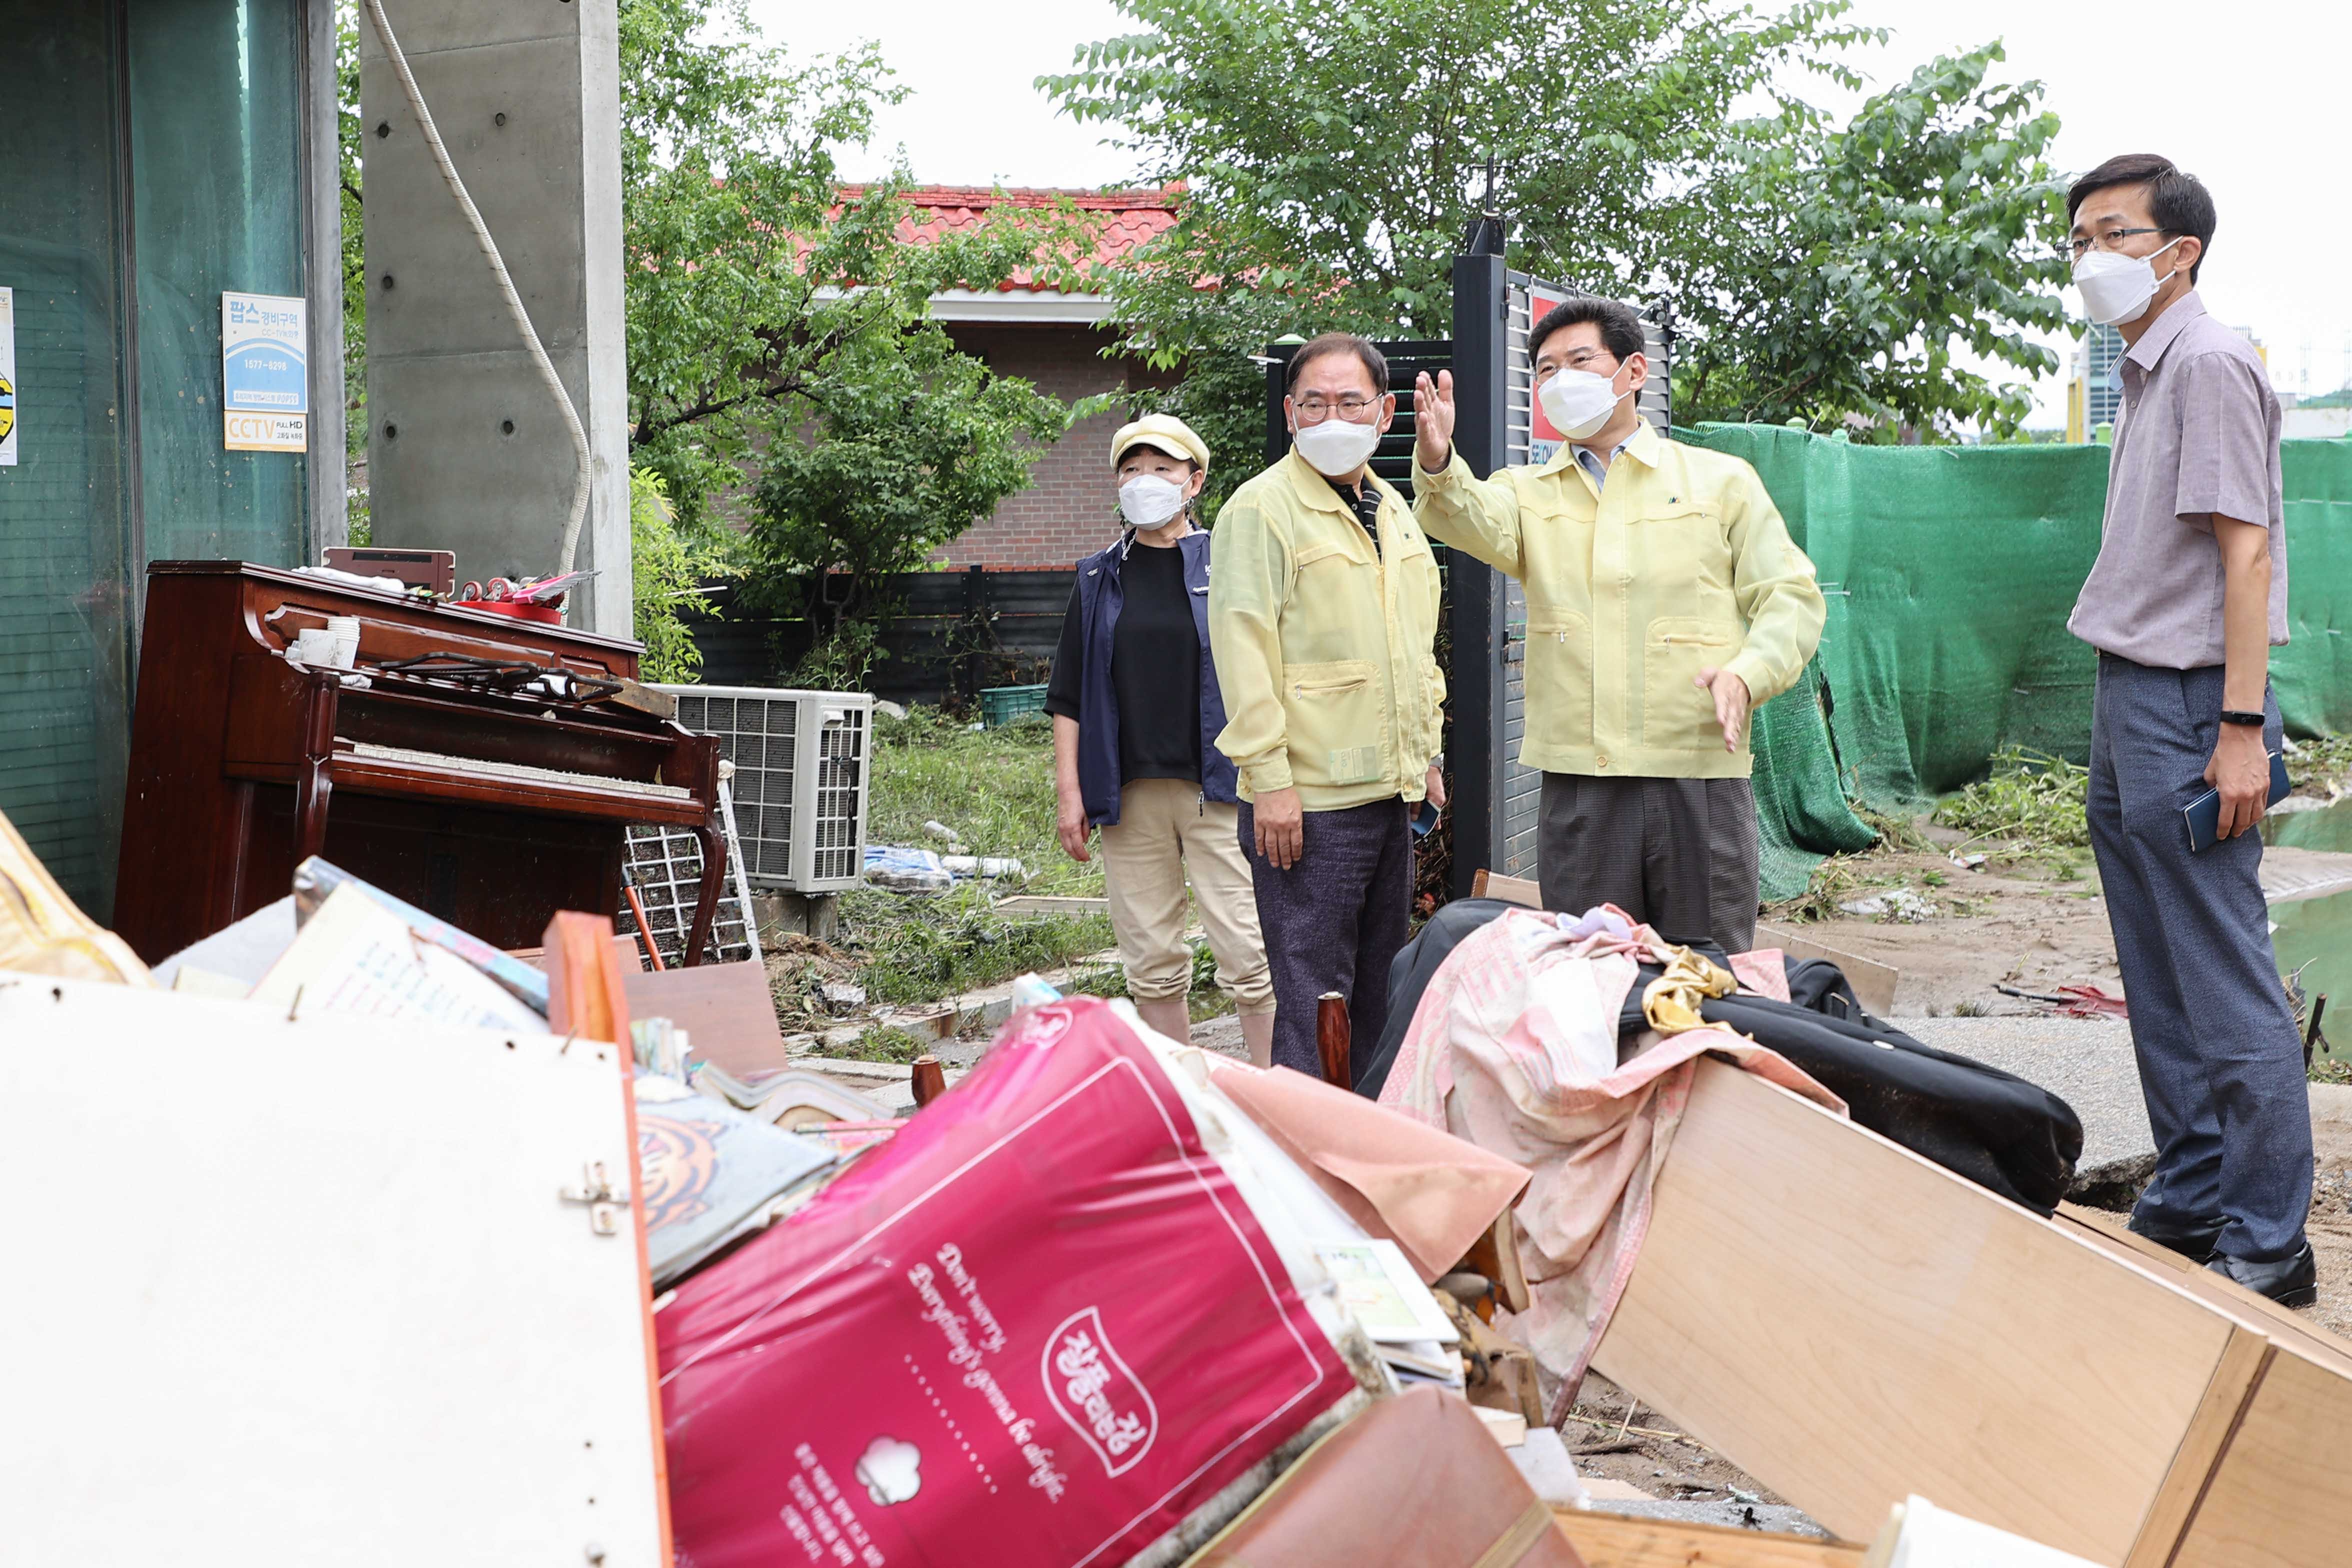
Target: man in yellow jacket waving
1665,599
1322,613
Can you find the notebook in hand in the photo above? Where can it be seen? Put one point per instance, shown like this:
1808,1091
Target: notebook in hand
2204,813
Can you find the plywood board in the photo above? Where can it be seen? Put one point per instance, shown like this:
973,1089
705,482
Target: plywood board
1851,1324
1611,1541
1873,983
309,1292
2235,1378
2281,1494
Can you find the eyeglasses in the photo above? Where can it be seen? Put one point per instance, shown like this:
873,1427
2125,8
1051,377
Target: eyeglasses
1574,359
2074,249
1314,408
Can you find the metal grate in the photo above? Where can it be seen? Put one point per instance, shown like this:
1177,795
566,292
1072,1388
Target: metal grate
759,736
667,864
801,778
837,851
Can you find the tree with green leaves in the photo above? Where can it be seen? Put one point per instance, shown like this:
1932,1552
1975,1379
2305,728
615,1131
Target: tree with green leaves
1642,148
1853,272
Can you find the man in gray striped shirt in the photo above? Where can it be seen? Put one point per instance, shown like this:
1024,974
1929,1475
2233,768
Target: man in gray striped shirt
2185,601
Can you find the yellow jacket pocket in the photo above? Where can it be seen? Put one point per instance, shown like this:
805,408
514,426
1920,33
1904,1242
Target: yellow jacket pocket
1338,715
1677,711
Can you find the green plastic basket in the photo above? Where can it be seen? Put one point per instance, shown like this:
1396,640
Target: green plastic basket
1003,704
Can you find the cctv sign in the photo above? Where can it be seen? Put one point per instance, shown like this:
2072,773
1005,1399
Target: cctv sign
265,373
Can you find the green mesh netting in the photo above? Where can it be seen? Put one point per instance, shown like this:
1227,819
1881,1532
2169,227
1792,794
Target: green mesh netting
1802,812
1948,573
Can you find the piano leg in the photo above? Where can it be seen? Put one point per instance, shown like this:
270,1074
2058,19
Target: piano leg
314,785
706,902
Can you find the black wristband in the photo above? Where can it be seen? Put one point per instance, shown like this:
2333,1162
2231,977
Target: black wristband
2240,716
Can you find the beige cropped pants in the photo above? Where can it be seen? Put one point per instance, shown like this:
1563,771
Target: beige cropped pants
1166,833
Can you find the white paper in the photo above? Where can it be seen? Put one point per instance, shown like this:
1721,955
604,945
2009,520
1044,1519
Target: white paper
7,378
1921,1535
356,956
265,373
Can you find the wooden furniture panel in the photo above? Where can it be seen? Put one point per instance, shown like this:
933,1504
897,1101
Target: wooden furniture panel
1851,1324
2281,1494
1617,1540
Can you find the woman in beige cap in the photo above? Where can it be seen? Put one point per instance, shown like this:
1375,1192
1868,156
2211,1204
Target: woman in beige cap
1136,714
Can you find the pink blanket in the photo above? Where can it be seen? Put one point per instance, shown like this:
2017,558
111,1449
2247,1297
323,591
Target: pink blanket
1515,1047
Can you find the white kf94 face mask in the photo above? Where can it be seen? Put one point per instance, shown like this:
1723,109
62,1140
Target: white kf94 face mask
1337,448
1579,401
2117,287
1147,500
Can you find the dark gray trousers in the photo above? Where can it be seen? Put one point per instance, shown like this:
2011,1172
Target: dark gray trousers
1678,855
1333,922
2219,1061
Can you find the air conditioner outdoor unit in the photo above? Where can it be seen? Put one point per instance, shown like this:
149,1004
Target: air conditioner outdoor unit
803,768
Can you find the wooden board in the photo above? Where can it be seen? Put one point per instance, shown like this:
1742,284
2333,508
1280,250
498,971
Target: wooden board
1510,889
2281,1494
1613,1540
1873,983
1852,1324
308,1293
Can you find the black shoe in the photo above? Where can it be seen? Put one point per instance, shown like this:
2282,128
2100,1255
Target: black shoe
2197,1242
2290,1281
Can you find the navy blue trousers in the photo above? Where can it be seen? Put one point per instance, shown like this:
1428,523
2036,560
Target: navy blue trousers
1334,922
2219,1061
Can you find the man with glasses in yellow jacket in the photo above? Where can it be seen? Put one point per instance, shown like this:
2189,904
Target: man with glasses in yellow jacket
1665,599
1322,617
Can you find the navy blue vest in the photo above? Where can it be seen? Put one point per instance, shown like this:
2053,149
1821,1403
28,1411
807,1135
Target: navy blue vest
1099,599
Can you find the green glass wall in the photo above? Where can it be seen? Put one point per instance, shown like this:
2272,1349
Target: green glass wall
153,158
215,183
65,517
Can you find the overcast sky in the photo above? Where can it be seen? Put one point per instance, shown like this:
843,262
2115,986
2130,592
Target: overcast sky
2251,97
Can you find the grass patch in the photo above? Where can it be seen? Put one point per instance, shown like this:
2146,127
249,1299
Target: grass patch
880,1045
2321,765
993,788
1840,879
915,949
2032,802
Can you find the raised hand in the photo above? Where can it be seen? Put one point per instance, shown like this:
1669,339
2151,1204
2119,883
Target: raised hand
1433,421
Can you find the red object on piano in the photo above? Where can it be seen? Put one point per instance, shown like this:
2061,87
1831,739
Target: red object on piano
489,809
548,614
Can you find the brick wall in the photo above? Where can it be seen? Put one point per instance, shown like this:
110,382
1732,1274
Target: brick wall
1071,507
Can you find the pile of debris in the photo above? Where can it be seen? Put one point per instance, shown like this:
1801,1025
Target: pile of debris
450,1254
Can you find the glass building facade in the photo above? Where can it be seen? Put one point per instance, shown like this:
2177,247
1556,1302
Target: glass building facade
156,156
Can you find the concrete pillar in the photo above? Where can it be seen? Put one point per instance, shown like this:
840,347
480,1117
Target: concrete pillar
466,450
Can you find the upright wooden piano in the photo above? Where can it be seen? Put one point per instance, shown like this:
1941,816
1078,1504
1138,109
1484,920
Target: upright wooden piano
482,773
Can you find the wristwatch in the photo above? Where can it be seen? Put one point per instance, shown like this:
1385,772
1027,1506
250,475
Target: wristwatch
2240,716
1438,762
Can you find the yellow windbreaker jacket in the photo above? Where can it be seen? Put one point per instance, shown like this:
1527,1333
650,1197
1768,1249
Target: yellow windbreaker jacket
1680,563
1324,649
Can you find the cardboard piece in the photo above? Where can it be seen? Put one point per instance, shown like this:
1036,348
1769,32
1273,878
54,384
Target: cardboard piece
726,1010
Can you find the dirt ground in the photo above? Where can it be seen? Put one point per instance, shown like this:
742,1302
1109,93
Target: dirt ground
2012,923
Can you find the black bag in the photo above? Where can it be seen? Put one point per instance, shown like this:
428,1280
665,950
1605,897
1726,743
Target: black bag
2007,1135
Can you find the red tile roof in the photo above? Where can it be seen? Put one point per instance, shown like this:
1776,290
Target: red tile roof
1120,220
